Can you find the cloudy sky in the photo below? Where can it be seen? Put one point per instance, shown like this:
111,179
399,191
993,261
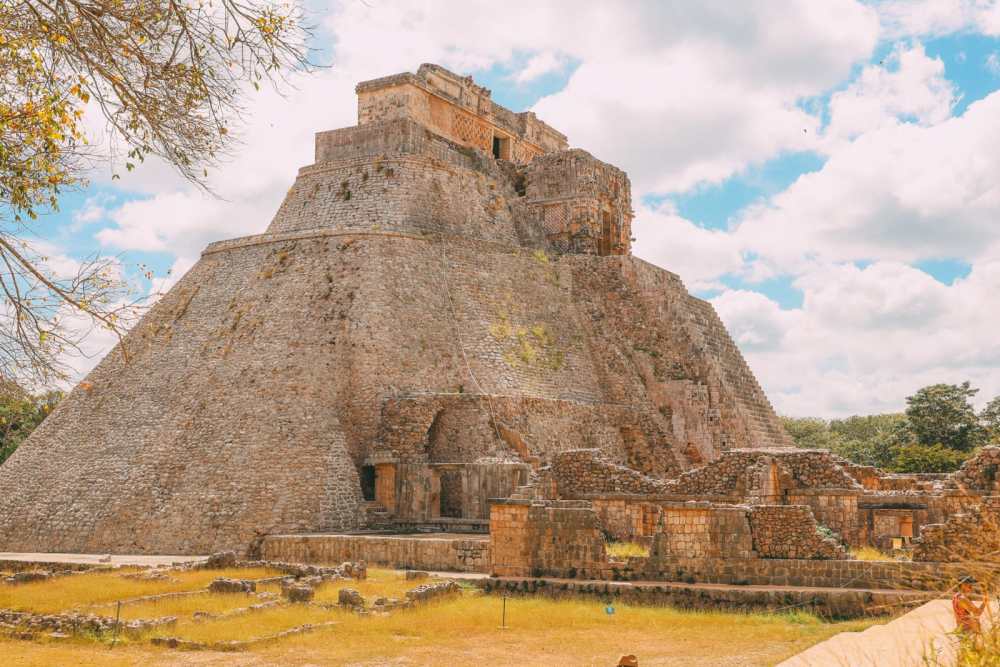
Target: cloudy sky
826,173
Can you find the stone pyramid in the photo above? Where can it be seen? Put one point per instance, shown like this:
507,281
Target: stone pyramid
445,300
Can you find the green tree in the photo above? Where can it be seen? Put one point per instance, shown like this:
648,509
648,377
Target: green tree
989,419
168,79
927,458
808,432
20,413
869,440
942,414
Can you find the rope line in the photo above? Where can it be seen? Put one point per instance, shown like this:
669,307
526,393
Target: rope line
461,343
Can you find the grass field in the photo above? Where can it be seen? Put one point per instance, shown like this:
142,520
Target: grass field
458,631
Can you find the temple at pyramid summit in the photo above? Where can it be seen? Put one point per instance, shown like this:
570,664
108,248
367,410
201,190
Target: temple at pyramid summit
443,315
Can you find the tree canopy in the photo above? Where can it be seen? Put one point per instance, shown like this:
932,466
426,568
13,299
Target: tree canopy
943,414
938,431
167,79
20,413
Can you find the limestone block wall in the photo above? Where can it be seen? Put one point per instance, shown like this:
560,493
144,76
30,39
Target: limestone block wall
561,539
627,518
734,473
426,493
971,535
702,530
790,531
584,205
222,426
456,108
739,413
405,193
447,554
873,479
891,575
833,508
400,136
464,427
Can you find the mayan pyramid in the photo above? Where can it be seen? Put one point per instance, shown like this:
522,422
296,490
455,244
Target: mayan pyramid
445,299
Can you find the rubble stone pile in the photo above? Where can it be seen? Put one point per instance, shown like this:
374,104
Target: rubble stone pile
791,531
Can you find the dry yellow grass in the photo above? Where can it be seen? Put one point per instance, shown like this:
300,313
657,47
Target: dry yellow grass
77,591
380,583
871,553
570,632
466,631
252,625
625,550
462,630
182,607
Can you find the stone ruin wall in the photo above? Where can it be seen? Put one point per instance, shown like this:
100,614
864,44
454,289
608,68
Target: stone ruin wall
979,473
791,531
566,539
702,530
582,204
456,108
445,553
561,539
970,535
629,503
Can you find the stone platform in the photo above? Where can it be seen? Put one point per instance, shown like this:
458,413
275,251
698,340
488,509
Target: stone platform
446,552
56,561
833,603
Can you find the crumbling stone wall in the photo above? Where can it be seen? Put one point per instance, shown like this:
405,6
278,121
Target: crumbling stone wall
627,517
582,204
738,473
898,575
979,473
791,531
970,535
837,509
583,472
462,427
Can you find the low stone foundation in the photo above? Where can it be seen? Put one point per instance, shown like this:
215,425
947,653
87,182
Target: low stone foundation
827,603
443,552
877,575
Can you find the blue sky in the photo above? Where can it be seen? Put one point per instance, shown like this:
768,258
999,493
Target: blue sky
822,176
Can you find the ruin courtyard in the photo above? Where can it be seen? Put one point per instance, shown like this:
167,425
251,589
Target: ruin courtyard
442,356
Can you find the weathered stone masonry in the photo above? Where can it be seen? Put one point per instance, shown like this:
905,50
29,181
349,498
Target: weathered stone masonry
444,302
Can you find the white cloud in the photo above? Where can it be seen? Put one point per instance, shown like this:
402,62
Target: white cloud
901,192
915,89
702,108
993,63
539,65
697,254
93,210
866,338
902,18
